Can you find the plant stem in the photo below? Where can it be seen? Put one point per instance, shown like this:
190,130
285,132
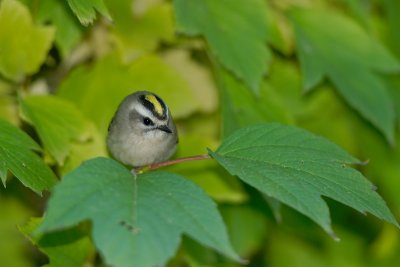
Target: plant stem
169,162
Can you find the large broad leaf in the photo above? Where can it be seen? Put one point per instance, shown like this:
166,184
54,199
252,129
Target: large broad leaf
58,123
298,168
86,10
23,46
16,156
137,221
235,30
351,59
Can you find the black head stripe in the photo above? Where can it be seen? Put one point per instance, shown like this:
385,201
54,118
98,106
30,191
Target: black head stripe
155,105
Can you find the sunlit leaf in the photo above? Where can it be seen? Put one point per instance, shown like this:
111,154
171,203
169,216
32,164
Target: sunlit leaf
298,168
23,45
137,221
16,156
109,81
139,32
198,77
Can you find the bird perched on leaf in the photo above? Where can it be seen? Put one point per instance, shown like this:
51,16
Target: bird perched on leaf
142,131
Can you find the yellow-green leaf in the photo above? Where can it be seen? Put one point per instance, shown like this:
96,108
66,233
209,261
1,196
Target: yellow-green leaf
23,45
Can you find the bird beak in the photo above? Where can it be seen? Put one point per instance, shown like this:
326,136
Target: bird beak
164,128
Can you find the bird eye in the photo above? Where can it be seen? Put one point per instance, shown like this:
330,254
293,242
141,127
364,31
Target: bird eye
147,121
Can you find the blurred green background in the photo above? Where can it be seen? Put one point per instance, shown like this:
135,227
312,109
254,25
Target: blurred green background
219,65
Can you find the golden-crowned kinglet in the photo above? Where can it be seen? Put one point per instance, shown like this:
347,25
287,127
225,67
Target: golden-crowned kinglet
142,131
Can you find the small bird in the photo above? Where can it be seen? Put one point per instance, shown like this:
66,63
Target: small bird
142,131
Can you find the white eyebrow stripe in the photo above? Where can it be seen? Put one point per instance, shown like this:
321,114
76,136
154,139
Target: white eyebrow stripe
143,111
147,113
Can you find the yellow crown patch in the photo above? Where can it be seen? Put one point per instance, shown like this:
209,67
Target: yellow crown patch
157,105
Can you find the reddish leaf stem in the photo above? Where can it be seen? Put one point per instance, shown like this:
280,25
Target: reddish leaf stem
169,162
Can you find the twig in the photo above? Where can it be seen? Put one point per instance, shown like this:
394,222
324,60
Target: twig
168,162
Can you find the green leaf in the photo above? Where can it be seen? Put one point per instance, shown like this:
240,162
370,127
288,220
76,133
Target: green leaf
86,10
137,221
57,121
351,60
16,155
69,31
298,168
69,248
198,76
241,108
23,45
206,173
138,32
246,227
235,30
392,9
13,246
8,104
109,81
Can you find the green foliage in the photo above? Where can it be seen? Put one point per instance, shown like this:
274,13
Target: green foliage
297,168
86,10
72,251
246,57
69,31
229,71
57,122
138,218
111,75
350,58
16,156
23,45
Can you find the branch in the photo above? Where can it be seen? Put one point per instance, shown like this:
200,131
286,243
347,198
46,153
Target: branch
167,163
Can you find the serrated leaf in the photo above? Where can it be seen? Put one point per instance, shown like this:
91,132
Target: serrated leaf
69,248
137,221
23,45
57,121
235,30
16,155
86,10
350,58
298,168
108,81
